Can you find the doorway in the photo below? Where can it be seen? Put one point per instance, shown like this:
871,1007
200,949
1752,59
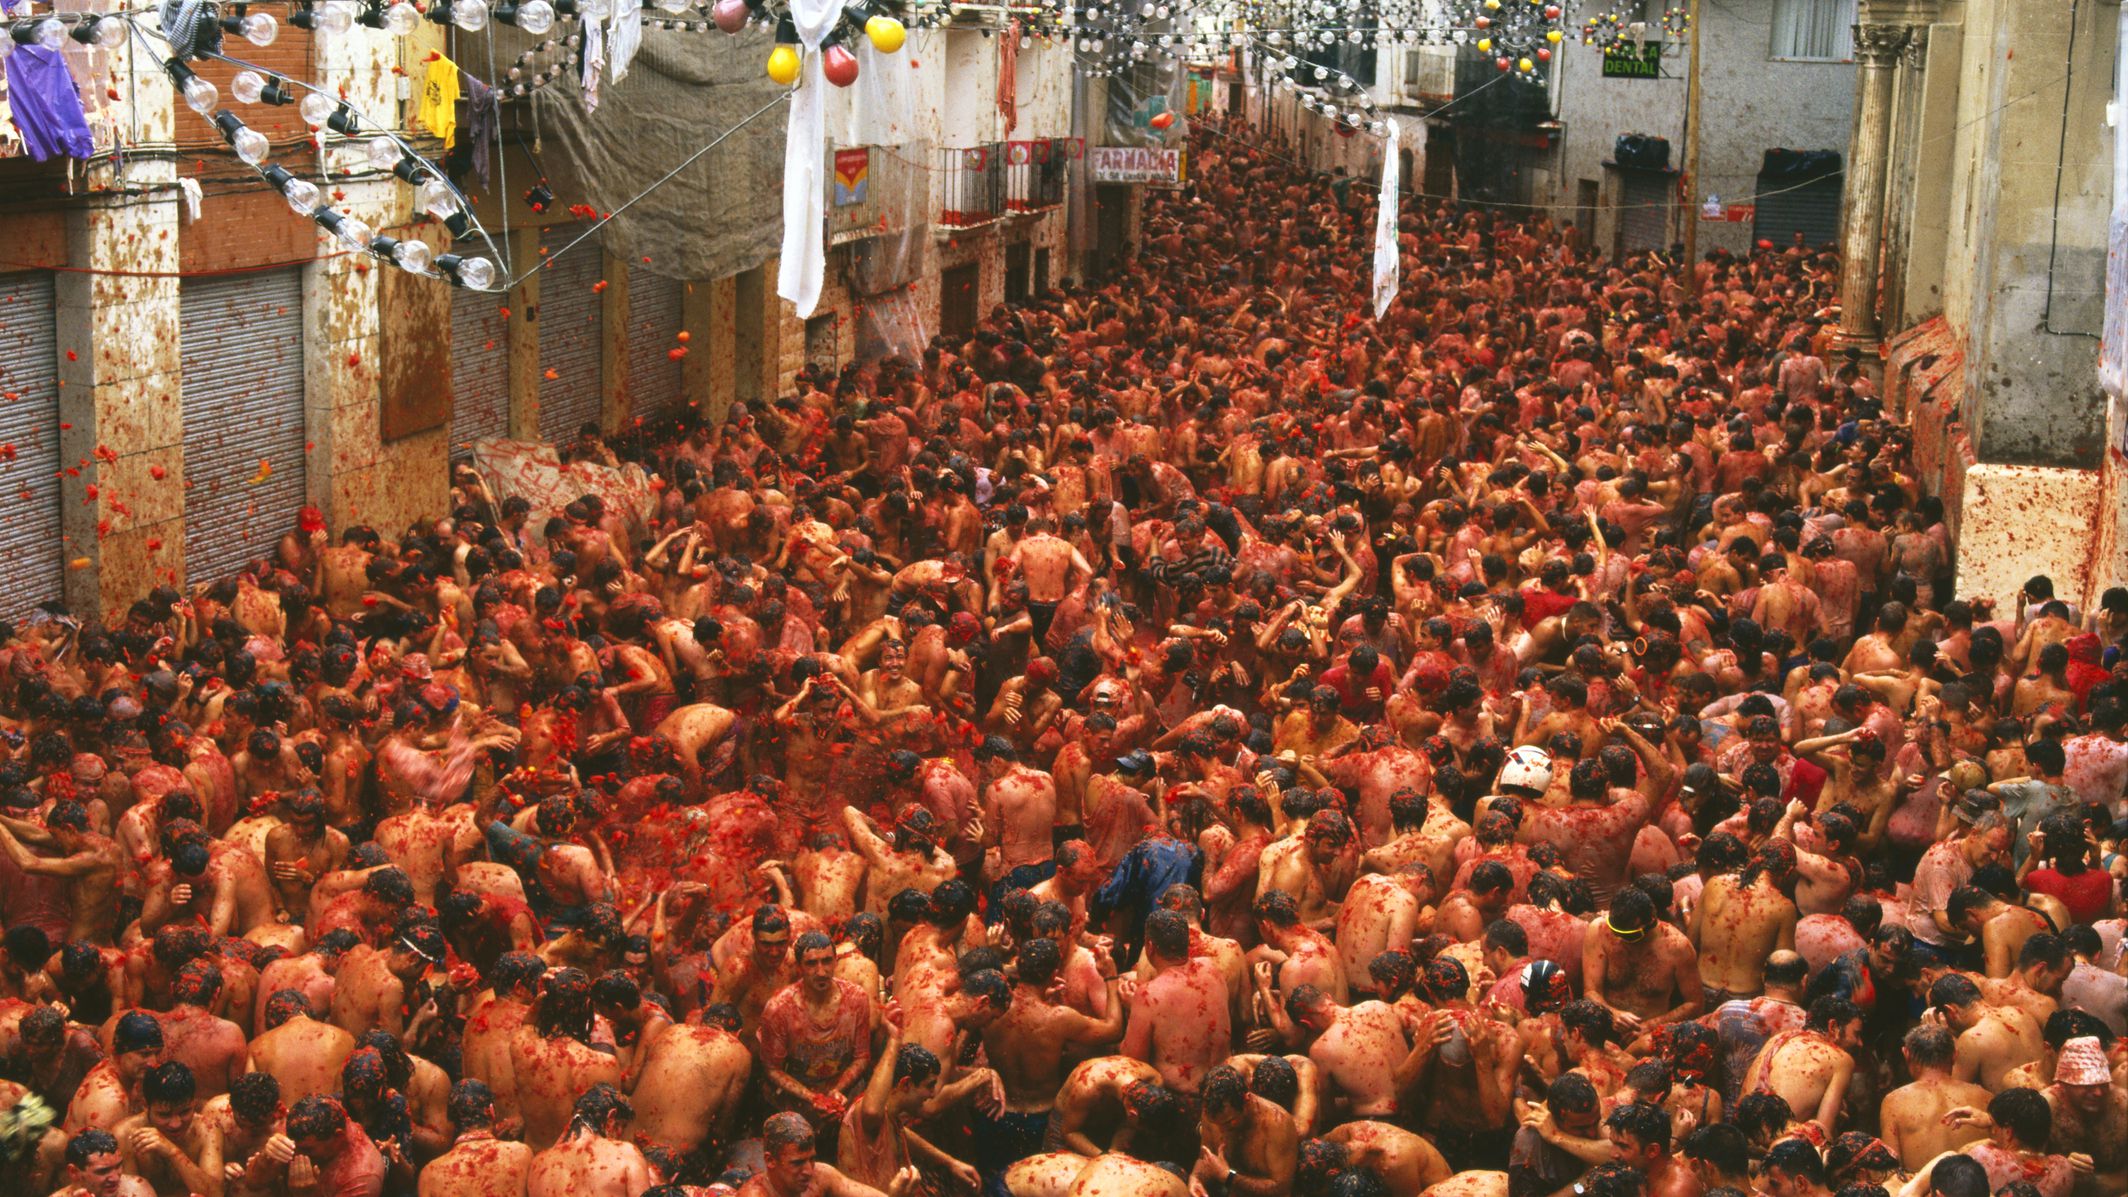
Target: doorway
1586,194
959,299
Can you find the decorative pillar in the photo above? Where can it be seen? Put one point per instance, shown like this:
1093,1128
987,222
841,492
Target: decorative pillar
1900,182
1876,57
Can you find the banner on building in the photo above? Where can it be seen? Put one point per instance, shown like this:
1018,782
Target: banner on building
853,169
1161,167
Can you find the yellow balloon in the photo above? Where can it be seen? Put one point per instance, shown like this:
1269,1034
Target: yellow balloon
1484,44
1554,36
783,64
1492,4
886,33
1526,65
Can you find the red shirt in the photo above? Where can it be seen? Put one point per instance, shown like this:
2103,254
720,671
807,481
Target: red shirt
2086,894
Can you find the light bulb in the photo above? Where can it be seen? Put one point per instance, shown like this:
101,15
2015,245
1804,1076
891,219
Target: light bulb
316,108
885,33
401,19
535,16
731,15
335,16
434,197
413,256
302,196
111,32
470,15
247,87
383,153
477,273
354,233
251,146
259,28
783,63
51,34
201,96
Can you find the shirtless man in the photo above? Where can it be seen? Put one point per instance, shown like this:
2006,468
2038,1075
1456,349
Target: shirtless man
1028,1043
166,1143
552,1060
1992,1040
495,1017
2000,928
95,1167
1050,566
594,1157
213,1049
376,988
1312,867
793,1168
1020,813
1811,1068
905,858
1380,913
1740,921
301,850
1091,1103
302,1053
110,1093
687,1085
478,1163
1362,1050
88,864
1910,1119
1178,1021
1644,970
1408,1163
1250,1146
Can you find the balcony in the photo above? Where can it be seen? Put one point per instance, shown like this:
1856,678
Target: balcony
1034,173
973,185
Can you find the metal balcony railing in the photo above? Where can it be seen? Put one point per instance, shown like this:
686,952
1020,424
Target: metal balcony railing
1034,174
974,185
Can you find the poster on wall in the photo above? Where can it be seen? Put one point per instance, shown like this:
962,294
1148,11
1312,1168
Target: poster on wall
853,170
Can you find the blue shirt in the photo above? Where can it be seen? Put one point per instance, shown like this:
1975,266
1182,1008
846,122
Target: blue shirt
1146,872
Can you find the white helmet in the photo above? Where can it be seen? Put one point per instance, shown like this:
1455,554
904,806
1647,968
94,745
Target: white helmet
1528,767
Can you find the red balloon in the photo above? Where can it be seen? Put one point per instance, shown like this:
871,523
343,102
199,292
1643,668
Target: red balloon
839,65
1162,120
1503,64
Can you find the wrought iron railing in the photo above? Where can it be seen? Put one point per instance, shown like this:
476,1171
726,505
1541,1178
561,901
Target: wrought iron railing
974,185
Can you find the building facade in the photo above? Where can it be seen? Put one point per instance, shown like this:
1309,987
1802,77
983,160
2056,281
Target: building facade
181,381
1987,296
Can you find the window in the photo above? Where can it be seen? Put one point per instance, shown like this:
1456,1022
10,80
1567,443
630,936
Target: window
1814,30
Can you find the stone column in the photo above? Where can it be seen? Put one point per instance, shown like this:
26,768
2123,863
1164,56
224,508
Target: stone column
1900,183
1876,57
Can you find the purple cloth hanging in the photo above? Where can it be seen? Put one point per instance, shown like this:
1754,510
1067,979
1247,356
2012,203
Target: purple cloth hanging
46,105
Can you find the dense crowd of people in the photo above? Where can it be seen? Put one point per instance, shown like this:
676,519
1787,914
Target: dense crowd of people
1187,738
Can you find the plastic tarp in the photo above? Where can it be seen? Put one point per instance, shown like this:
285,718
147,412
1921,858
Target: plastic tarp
719,217
533,471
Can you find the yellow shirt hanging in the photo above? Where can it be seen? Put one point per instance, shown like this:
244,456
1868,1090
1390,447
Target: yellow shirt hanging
439,100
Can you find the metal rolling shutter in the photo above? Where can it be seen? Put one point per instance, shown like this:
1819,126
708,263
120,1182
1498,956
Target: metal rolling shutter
569,337
1644,216
1786,208
29,445
241,345
653,332
480,378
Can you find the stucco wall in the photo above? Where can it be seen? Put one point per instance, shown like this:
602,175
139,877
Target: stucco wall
1753,103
